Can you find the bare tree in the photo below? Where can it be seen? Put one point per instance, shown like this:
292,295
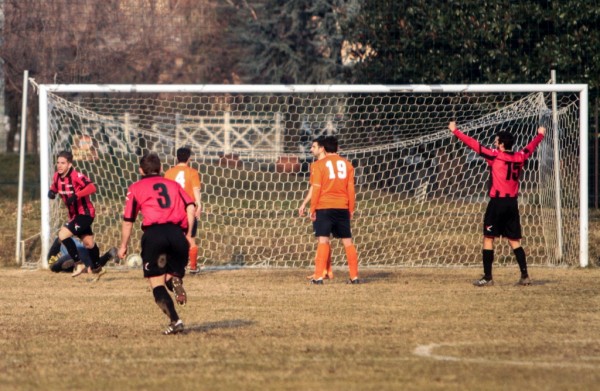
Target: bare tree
110,41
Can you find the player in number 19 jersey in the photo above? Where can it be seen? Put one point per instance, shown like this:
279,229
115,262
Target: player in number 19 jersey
332,207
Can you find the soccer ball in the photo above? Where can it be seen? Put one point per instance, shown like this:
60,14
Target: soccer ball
134,260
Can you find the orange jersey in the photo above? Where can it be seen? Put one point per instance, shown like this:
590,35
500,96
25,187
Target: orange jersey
186,176
332,179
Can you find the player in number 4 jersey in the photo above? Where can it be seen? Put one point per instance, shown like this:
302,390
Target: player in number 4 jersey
189,179
332,207
502,214
168,217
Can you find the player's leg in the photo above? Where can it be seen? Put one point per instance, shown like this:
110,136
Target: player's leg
488,260
176,261
513,234
193,252
94,253
323,251
521,260
490,232
341,229
352,257
107,256
65,235
84,255
322,227
328,272
155,245
164,301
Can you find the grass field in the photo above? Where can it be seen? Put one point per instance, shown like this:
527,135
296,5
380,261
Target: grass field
403,329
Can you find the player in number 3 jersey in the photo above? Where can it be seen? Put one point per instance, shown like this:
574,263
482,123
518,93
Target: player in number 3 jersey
502,214
332,207
168,217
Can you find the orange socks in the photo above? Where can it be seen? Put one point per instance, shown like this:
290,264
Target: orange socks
193,257
352,257
323,253
327,272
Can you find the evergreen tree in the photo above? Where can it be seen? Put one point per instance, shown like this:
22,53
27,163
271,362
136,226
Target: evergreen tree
288,42
477,41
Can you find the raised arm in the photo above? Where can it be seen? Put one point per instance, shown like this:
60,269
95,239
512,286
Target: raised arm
468,141
530,148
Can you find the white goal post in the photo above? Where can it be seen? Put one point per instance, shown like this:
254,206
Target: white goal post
420,194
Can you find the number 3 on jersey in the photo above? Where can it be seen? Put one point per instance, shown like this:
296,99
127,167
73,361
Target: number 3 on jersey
164,201
341,169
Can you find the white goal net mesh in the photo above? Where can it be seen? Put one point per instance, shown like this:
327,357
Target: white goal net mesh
421,194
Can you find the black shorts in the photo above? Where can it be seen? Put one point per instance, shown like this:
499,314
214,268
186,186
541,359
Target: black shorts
80,225
164,250
502,219
334,222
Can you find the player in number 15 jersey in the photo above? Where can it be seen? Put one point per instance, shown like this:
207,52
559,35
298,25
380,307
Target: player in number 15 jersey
502,213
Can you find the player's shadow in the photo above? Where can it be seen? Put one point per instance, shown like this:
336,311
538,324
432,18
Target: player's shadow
369,277
540,282
224,324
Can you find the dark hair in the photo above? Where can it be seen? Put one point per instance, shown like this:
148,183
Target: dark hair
319,140
67,155
506,138
330,143
150,164
183,154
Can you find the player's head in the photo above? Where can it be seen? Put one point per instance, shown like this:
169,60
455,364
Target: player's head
330,143
183,155
506,139
150,164
316,147
64,161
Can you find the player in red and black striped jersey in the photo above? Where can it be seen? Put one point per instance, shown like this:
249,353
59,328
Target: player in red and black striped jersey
75,189
502,214
167,224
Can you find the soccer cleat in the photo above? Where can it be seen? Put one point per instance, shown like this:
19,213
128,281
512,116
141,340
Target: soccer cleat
194,271
79,269
353,281
524,281
180,294
113,252
483,282
52,260
316,281
174,328
97,273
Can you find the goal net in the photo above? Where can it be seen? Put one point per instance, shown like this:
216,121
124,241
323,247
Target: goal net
421,193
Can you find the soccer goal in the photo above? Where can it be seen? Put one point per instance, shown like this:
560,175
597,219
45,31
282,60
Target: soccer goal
421,194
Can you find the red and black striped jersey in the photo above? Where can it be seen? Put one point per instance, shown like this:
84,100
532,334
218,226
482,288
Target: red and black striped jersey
160,200
505,166
73,183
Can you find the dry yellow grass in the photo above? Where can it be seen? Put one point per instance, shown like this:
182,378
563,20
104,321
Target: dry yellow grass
403,329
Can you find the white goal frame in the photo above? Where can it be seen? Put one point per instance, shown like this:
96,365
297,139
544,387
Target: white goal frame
581,89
